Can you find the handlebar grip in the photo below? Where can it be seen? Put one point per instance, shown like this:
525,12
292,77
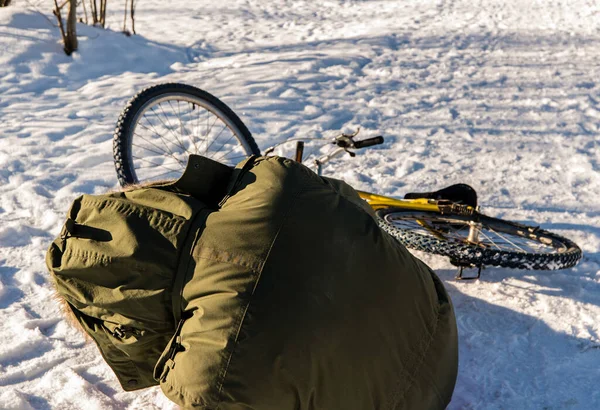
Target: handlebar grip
368,142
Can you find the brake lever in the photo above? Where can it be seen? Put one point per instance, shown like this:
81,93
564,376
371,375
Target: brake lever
346,140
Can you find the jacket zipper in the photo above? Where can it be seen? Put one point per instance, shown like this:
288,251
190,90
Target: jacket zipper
123,332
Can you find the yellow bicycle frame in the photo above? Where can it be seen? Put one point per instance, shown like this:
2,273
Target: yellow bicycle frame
380,201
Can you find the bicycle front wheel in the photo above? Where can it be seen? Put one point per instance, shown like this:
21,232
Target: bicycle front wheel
478,239
162,125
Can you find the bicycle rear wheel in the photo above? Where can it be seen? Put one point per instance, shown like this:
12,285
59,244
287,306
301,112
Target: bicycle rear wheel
478,239
163,124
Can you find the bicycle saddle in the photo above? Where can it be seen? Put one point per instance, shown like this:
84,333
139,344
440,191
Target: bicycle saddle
458,193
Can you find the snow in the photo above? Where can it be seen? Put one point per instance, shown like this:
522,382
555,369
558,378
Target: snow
500,94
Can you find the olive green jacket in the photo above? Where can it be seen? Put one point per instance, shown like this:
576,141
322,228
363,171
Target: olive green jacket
266,287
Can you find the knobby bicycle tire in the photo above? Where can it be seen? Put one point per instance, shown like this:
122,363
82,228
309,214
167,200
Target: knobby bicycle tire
156,151
555,252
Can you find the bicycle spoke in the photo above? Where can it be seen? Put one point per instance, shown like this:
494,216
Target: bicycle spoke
448,229
181,124
170,154
167,129
208,133
507,240
239,156
153,130
183,127
161,153
222,145
213,124
490,239
531,244
165,125
179,118
193,136
169,126
498,242
223,157
434,232
511,242
154,164
164,173
217,137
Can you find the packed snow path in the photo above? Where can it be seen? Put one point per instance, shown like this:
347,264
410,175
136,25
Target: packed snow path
500,94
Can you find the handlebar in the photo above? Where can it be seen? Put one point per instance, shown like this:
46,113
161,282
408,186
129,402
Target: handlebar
345,143
368,142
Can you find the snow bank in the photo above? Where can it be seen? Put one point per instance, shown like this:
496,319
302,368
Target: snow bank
503,95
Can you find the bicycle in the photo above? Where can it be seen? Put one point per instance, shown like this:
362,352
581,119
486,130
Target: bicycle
147,146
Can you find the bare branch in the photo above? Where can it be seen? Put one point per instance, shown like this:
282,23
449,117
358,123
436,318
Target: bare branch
125,17
84,11
56,12
35,8
133,16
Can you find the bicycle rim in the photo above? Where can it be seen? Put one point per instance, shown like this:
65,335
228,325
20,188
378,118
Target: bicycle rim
170,128
496,242
162,125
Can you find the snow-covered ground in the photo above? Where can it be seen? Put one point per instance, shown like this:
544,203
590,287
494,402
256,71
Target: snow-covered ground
501,94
